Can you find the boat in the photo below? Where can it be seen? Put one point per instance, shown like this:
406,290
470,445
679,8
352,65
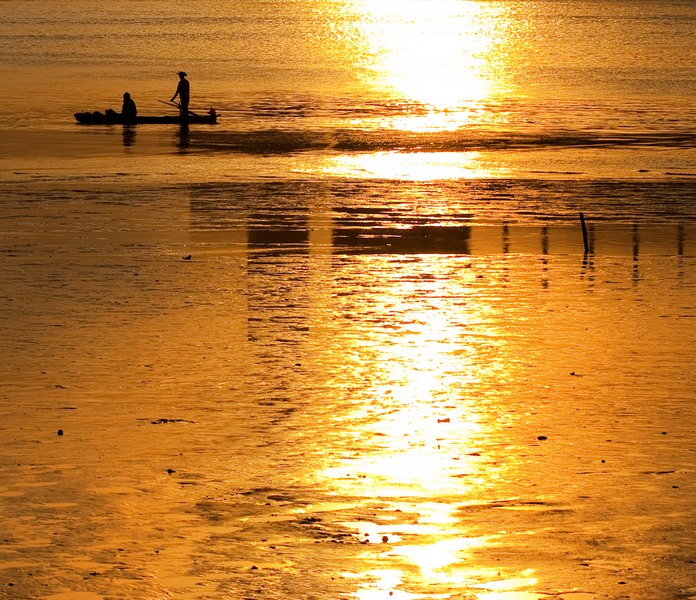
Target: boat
114,118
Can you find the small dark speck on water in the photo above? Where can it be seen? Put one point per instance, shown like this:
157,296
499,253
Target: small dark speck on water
187,257
541,438
60,432
385,539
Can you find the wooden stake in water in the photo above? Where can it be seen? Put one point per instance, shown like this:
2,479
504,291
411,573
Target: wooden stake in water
584,234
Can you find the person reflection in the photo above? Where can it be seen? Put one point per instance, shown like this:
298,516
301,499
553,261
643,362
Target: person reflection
129,132
183,140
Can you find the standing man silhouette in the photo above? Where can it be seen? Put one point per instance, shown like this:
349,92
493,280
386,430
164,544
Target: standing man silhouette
182,90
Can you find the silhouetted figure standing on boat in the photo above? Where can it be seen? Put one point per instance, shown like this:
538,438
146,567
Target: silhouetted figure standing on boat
128,110
182,90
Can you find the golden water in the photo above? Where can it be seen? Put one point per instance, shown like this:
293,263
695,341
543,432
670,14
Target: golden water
347,344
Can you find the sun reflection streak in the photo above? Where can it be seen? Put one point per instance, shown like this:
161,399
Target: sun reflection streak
416,440
423,428
509,589
418,425
411,166
435,560
439,52
383,585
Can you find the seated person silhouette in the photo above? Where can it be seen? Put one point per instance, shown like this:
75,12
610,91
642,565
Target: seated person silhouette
128,110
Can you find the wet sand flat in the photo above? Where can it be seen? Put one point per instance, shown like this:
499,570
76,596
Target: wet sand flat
302,408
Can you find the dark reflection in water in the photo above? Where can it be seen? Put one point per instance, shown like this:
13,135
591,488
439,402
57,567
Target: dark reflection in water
183,137
273,229
544,257
515,201
279,140
636,252
129,135
681,241
416,239
349,220
506,238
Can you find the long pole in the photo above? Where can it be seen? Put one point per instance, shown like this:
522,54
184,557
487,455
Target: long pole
584,234
177,106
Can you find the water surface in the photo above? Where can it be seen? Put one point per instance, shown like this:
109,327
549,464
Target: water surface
347,343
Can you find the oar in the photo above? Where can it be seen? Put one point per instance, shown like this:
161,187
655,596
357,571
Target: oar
178,106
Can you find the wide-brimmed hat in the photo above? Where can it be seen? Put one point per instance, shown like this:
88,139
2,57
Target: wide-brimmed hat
182,73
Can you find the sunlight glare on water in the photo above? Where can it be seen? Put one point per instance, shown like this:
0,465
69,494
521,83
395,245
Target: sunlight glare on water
412,166
417,371
442,59
436,560
412,436
436,53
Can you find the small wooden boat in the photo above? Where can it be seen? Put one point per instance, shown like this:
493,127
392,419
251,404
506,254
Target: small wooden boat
114,118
